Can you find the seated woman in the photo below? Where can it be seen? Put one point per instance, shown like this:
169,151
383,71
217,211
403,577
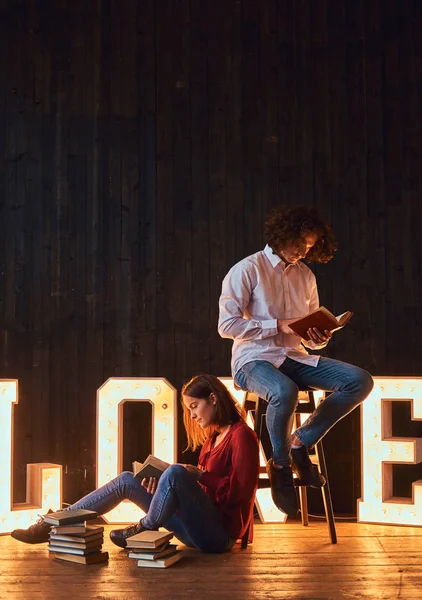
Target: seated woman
207,507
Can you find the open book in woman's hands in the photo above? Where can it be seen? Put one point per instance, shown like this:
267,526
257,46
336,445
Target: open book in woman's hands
322,319
151,467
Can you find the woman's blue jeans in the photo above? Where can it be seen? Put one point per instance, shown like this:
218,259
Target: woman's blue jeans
179,504
279,387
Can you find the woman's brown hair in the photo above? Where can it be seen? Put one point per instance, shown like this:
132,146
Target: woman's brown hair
227,410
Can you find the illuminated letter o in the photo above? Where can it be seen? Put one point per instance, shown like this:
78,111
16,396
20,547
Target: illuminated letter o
110,399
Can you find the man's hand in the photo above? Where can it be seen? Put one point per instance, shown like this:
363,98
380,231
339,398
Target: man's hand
319,337
196,471
283,326
315,335
150,484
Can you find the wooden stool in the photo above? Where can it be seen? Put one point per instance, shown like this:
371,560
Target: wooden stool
306,405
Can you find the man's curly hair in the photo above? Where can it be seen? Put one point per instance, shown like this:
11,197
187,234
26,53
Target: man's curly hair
290,224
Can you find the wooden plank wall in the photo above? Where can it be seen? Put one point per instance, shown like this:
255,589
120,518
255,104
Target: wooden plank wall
142,143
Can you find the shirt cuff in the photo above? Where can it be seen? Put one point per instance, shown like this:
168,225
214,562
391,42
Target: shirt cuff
269,328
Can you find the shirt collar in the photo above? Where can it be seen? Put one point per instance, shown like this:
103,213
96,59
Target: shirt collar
275,260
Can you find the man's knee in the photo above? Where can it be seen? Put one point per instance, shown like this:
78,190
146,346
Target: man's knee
366,383
283,395
362,383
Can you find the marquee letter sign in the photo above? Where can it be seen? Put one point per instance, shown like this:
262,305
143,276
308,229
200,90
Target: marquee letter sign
43,480
110,399
380,450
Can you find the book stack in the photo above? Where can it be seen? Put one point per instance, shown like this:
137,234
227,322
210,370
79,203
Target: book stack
73,540
153,549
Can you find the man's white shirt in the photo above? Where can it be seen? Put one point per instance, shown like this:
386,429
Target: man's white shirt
256,292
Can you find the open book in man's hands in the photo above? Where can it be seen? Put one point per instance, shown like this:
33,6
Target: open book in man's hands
321,318
151,467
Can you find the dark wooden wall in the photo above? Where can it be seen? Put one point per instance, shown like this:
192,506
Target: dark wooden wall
142,143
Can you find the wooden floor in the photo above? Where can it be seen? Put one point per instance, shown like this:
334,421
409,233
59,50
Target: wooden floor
285,561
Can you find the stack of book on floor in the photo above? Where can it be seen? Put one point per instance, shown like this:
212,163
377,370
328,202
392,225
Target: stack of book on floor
73,540
153,549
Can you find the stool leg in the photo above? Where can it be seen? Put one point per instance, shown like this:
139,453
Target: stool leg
303,495
303,498
326,494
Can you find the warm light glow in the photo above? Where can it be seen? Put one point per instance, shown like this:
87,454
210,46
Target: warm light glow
267,510
110,399
380,450
238,394
303,397
43,486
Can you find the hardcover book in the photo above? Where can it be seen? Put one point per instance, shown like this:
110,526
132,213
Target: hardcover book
84,545
161,563
89,559
148,539
141,554
77,539
70,534
71,529
66,550
151,467
69,517
322,319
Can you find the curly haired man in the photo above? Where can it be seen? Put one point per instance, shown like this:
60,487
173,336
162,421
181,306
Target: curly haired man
260,296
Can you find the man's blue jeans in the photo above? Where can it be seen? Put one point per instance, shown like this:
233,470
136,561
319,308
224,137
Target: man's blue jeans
179,504
279,387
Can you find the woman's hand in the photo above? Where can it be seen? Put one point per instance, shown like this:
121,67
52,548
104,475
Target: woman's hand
149,484
196,471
